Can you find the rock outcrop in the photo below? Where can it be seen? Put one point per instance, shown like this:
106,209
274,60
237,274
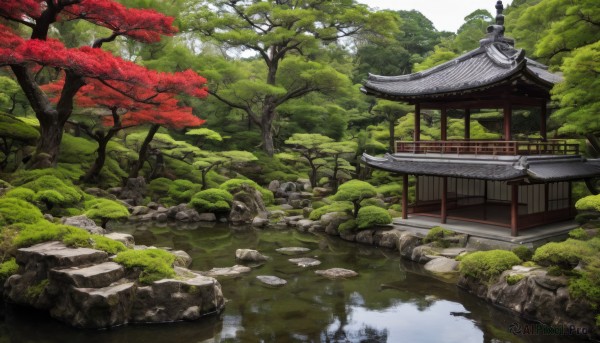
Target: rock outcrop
83,288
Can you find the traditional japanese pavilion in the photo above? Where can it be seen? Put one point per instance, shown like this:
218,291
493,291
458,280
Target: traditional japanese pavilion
507,183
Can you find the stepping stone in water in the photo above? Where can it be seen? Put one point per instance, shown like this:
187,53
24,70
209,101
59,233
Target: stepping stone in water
305,262
337,273
271,280
292,250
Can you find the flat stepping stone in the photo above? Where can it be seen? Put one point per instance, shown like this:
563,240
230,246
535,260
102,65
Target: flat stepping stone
292,250
337,273
95,276
250,255
271,280
124,238
442,265
305,262
55,254
227,271
452,252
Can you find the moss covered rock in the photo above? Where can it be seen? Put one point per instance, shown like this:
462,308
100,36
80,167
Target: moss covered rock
369,216
486,265
212,200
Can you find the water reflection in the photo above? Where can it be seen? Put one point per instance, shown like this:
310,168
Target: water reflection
390,301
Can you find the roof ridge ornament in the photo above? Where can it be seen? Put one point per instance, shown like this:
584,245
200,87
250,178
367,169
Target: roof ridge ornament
495,33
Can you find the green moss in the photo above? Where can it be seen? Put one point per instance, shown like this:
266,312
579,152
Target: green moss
43,231
565,255
212,200
437,234
318,204
181,191
370,216
579,234
523,252
8,268
51,191
106,244
235,185
348,226
155,264
34,291
338,206
486,265
21,193
13,210
530,264
514,279
373,202
159,188
77,150
103,210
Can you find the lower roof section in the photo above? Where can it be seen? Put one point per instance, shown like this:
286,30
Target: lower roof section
488,167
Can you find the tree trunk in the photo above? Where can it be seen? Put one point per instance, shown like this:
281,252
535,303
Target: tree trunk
267,138
142,155
94,172
46,153
356,207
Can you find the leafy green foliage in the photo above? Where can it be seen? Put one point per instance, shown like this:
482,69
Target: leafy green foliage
486,265
369,216
338,206
589,203
523,252
212,200
579,234
159,188
21,193
155,264
51,191
355,191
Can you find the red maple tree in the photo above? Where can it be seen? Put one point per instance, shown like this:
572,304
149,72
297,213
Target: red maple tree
117,110
84,64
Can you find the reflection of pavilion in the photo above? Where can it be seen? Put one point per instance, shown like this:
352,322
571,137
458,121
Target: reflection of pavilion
508,183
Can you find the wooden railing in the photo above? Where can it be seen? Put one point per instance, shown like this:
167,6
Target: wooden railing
551,147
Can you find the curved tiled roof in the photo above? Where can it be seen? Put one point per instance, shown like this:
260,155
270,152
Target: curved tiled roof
494,62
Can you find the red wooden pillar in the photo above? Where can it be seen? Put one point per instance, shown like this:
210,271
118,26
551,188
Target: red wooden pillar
467,124
405,196
514,210
543,121
417,133
444,124
507,122
444,210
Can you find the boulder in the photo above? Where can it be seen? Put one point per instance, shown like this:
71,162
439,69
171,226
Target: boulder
292,250
227,271
274,186
83,222
207,217
304,185
387,239
365,237
124,238
305,224
182,258
188,216
252,198
139,210
173,210
321,192
407,243
337,273
161,217
424,253
250,255
260,222
271,280
442,265
153,205
305,262
286,188
331,221
240,213
135,189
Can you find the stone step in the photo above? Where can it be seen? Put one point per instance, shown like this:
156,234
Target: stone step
95,276
57,255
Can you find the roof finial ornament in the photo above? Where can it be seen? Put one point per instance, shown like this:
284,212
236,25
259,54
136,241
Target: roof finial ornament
499,15
496,31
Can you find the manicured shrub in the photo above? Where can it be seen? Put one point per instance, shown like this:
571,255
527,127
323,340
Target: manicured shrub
523,252
589,203
155,264
373,202
486,265
355,191
159,188
564,255
235,185
13,210
390,189
579,234
8,268
103,210
51,191
588,284
369,216
338,206
181,191
212,200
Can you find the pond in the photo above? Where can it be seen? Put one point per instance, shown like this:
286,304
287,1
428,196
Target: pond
391,300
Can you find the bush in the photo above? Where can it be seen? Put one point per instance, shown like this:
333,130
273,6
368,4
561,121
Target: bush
355,191
565,255
523,252
390,189
235,185
13,210
589,203
21,193
373,202
8,268
155,264
436,234
104,210
579,234
181,191
588,284
159,188
369,216
212,200
348,226
339,206
51,191
486,265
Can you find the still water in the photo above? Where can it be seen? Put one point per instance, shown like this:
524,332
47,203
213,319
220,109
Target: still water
390,301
